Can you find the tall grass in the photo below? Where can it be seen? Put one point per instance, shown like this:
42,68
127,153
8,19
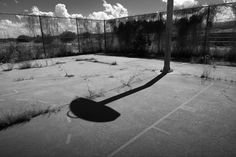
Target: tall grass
11,118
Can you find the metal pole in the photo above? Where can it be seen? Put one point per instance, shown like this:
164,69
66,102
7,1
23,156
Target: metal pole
105,40
206,35
78,34
170,6
41,28
159,34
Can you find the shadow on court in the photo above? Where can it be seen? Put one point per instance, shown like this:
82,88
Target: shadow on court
98,111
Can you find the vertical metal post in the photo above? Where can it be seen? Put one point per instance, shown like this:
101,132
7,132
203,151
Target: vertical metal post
170,6
42,34
78,33
206,34
105,36
159,34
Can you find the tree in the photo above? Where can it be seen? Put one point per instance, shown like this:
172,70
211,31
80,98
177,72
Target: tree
67,36
24,38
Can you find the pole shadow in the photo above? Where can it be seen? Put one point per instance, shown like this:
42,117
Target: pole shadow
98,111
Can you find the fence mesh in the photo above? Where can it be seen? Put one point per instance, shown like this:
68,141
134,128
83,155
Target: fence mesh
198,34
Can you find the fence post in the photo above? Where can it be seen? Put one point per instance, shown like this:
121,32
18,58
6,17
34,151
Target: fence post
41,28
78,33
105,36
159,34
206,35
170,7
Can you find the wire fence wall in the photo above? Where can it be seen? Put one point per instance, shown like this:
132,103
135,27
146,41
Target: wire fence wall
198,34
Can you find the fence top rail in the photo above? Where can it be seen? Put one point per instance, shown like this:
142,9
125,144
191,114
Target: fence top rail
162,12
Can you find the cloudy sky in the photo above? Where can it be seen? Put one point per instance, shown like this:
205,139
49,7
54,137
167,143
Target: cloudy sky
87,7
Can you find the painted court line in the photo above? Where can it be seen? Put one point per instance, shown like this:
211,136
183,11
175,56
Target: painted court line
160,130
68,119
68,139
187,108
14,92
44,102
157,122
22,99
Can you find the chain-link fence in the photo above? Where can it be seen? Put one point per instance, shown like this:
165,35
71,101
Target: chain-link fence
199,34
26,37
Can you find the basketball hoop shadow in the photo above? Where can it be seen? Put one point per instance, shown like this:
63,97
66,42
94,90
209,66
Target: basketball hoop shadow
98,111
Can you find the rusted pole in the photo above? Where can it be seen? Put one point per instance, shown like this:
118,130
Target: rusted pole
169,23
41,28
78,33
105,37
204,54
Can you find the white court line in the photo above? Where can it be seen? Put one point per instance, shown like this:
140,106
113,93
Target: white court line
68,139
160,130
157,122
22,99
15,92
68,119
44,102
188,108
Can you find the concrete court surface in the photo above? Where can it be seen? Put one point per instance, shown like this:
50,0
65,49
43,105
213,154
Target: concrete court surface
180,115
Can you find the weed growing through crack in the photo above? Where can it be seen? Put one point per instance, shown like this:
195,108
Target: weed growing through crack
206,73
9,119
92,94
69,75
23,79
114,63
96,61
66,74
128,83
25,65
131,80
58,62
37,65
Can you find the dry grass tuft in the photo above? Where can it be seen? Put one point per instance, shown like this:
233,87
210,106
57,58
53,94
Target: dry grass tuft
11,118
23,79
7,67
93,94
96,61
206,73
25,65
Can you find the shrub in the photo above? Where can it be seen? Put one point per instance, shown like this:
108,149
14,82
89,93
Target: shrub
63,51
7,54
24,38
232,55
23,53
67,36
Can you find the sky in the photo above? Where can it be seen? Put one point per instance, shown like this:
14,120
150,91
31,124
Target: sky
87,7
